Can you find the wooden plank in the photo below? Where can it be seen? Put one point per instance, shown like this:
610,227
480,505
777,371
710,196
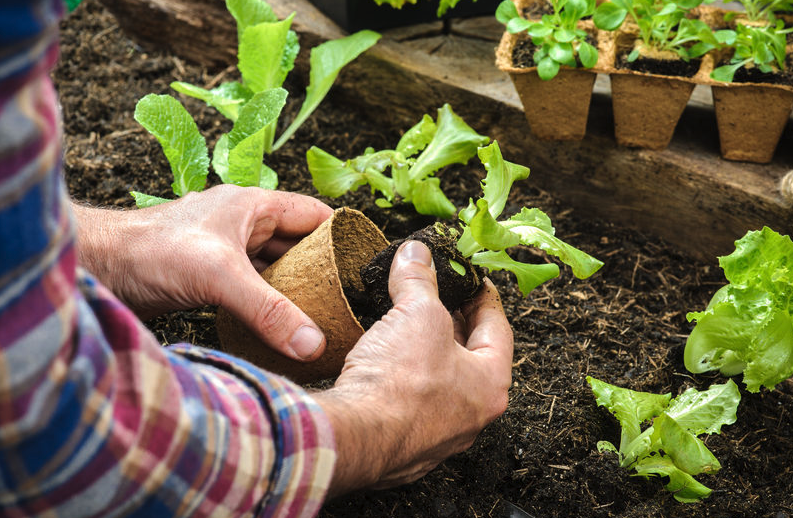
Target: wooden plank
685,194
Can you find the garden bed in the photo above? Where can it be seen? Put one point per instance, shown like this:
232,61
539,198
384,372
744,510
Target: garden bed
625,325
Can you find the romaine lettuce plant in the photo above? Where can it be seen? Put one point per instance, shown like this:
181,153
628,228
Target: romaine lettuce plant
669,446
663,26
422,151
754,46
557,37
266,53
748,324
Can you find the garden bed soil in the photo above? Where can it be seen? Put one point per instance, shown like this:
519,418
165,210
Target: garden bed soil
625,325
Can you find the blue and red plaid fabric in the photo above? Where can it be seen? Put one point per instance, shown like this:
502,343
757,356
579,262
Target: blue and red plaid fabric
96,418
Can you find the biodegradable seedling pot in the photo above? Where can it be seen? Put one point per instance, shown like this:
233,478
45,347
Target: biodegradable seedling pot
314,275
557,109
751,119
647,107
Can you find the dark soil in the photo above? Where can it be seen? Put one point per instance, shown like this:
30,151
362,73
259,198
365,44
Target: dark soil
663,67
625,325
755,75
454,289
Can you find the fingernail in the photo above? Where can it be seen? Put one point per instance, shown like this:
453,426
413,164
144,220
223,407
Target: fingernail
306,341
415,251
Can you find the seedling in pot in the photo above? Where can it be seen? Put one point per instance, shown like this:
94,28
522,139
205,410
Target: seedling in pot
558,39
748,325
669,446
266,54
484,240
443,5
760,47
423,150
665,31
761,10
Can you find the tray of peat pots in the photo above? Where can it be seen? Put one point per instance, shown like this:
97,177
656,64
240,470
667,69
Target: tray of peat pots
752,85
653,54
550,50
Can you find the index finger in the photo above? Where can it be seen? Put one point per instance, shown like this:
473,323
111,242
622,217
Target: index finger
291,214
488,327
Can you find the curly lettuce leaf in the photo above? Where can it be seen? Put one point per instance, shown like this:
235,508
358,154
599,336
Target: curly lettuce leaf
529,275
416,138
334,177
250,12
669,447
146,200
454,142
501,174
185,148
428,199
748,325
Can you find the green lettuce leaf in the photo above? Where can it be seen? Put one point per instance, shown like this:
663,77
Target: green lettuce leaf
454,142
146,200
184,146
326,62
500,177
428,199
416,138
333,177
529,275
263,55
682,485
226,98
250,12
748,325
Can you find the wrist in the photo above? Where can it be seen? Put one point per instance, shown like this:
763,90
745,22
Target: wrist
369,437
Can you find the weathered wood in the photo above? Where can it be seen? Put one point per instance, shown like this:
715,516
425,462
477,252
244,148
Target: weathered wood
685,194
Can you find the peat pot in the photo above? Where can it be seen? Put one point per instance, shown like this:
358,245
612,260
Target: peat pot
751,119
557,109
313,274
647,106
354,15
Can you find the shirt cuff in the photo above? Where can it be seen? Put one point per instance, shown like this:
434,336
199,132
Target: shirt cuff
302,435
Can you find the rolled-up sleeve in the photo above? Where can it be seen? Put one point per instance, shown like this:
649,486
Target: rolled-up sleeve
96,418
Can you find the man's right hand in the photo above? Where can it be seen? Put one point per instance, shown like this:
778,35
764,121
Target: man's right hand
419,386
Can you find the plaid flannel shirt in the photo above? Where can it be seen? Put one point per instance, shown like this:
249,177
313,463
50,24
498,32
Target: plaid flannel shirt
96,418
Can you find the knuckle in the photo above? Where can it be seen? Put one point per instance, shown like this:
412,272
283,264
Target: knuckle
273,314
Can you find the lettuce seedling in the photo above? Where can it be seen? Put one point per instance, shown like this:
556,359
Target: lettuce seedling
761,47
669,446
557,37
485,239
422,151
443,5
762,10
663,26
748,324
267,48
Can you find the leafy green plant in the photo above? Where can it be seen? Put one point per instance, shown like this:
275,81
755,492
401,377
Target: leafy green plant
762,47
557,36
422,151
669,446
663,26
762,10
748,324
266,54
443,5
485,239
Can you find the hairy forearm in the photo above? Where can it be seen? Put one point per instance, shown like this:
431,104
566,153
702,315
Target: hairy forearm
369,438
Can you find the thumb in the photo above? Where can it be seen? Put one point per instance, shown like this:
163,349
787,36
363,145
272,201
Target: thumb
273,317
412,273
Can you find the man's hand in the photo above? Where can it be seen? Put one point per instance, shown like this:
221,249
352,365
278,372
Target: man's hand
206,248
419,385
